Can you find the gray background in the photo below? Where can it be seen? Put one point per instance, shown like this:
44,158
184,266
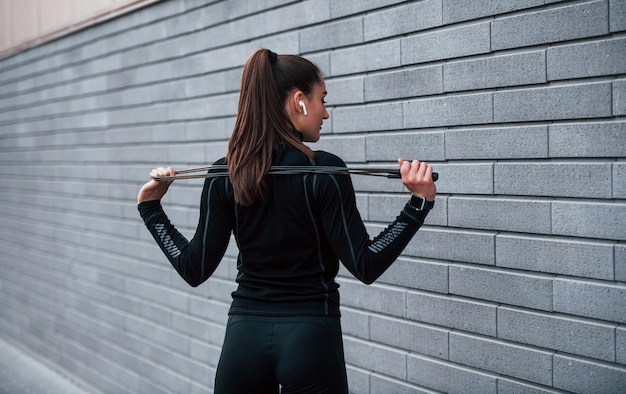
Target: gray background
517,282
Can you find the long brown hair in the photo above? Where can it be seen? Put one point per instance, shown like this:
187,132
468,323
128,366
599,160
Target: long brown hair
262,121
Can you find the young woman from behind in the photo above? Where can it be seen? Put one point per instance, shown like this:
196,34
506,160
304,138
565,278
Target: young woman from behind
283,331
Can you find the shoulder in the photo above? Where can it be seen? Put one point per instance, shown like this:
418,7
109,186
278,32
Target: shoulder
323,158
217,168
332,189
333,182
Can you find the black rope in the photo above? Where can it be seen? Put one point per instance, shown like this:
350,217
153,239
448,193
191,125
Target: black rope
222,171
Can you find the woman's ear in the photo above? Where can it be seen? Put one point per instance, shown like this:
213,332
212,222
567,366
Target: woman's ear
293,109
294,102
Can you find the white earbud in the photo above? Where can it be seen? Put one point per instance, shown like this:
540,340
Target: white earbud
303,107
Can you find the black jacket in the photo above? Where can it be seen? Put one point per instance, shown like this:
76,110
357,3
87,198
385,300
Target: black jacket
289,244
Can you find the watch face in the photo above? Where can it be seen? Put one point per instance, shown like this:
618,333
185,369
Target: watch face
418,202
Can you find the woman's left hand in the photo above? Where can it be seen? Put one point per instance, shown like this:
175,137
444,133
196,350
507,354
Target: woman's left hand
155,190
418,178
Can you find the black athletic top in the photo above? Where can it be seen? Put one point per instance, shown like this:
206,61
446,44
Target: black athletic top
289,244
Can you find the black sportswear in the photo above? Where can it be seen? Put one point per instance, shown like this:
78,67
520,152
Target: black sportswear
304,354
289,244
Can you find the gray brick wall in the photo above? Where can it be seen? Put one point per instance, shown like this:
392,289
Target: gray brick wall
517,281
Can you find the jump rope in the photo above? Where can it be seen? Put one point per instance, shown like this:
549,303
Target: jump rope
216,171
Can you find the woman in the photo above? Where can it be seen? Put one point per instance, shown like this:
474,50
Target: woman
291,230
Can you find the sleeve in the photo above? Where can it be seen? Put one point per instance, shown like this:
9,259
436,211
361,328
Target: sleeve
366,259
197,259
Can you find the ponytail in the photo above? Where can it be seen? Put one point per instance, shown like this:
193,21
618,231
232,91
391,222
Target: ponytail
262,121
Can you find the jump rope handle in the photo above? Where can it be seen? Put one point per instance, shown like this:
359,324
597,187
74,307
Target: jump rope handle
396,175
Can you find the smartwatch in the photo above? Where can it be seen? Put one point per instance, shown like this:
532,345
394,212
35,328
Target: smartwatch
419,203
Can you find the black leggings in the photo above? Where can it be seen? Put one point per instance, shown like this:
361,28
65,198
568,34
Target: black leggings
301,354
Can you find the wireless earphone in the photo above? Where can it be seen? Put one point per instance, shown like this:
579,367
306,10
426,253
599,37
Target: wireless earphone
303,107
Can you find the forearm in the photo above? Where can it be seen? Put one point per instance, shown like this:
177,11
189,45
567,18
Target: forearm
384,249
173,244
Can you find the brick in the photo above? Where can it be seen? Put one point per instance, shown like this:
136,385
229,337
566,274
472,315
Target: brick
345,91
386,116
582,376
355,323
204,353
497,71
619,97
507,287
375,298
374,357
271,21
206,130
506,386
559,333
459,10
438,216
412,336
350,149
332,35
365,58
198,329
606,57
370,184
187,367
449,111
391,146
339,8
452,312
503,358
420,275
414,82
497,143
588,299
234,10
619,180
620,344
213,151
401,20
556,256
202,307
382,384
617,15
203,108
587,139
620,263
592,180
552,103
115,374
551,25
383,208
468,246
500,214
446,43
448,377
322,61
358,379
592,220
215,83
465,178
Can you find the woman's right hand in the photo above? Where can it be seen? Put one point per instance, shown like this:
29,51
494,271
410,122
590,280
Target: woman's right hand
155,190
418,178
